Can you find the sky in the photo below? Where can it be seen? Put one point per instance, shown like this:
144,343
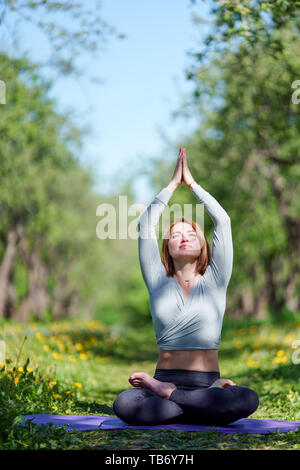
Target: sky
143,82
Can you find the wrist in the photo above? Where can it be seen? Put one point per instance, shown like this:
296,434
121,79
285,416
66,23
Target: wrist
192,184
172,186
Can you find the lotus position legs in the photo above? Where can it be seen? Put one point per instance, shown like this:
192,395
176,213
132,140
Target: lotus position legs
195,397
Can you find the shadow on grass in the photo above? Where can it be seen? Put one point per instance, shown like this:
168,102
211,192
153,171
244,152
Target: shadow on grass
95,408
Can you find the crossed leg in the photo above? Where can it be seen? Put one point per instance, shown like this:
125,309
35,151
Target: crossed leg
215,405
207,406
142,406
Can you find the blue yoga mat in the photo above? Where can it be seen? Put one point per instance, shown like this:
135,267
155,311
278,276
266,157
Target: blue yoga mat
91,423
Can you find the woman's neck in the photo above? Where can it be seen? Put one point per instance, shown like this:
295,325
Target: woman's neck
186,278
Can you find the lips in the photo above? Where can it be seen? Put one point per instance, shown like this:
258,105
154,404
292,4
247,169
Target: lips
184,244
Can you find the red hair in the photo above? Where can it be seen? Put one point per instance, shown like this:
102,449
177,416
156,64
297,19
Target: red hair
204,257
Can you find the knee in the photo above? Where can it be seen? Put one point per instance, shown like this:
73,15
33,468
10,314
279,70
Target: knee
250,399
122,403
124,406
253,400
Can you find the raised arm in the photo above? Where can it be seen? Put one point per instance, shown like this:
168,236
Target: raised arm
220,267
152,267
150,261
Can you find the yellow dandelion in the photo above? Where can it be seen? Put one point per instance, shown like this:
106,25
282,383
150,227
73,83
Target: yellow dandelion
79,347
68,412
238,344
56,355
52,382
280,353
17,380
29,370
76,384
46,347
57,395
251,362
280,359
39,336
68,392
83,356
2,365
54,407
20,369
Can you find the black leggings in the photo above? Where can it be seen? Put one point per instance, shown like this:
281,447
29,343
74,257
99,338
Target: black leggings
191,403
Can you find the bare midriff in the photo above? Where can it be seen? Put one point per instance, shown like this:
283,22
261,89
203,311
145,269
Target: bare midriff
205,360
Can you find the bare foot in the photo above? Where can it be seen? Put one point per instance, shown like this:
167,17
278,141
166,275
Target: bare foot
144,380
222,383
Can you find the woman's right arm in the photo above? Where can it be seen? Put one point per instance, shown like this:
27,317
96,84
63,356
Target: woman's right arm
150,261
152,267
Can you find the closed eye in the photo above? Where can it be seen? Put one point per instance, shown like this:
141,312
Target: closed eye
190,233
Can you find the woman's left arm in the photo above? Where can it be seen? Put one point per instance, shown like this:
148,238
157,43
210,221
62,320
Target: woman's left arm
222,248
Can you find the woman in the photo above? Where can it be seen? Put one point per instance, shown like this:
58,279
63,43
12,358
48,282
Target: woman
187,298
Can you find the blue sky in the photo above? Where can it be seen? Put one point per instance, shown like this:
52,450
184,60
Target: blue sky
144,83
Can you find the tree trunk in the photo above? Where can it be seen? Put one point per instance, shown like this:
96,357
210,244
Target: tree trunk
272,173
37,299
6,268
66,300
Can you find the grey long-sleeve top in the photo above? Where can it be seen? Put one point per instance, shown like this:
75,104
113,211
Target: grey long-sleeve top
195,322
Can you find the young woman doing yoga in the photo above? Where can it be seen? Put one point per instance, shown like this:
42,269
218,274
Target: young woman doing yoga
187,292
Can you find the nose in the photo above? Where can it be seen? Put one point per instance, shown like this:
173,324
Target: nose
184,239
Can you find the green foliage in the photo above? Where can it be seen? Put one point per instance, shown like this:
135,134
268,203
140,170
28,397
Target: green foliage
248,22
49,197
25,391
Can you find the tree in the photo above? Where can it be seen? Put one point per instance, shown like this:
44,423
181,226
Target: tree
247,22
47,205
69,27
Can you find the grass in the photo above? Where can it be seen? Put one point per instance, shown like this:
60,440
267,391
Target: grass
80,366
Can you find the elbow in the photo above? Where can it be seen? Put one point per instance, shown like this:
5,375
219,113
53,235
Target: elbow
141,220
225,219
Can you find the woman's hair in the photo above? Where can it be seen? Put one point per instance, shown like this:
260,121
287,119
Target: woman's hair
204,257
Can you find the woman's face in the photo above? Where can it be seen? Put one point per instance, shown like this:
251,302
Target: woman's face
183,242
